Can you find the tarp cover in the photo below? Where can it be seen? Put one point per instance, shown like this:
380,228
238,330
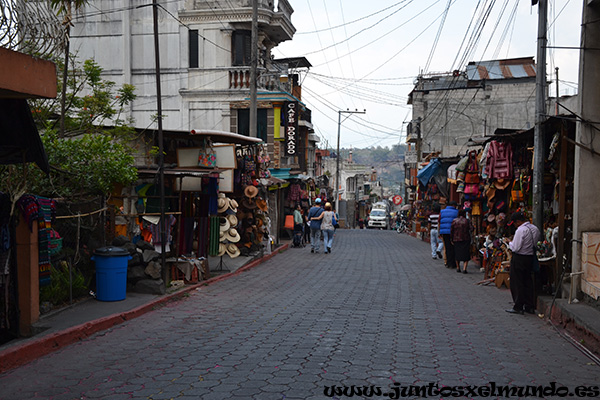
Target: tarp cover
430,169
19,138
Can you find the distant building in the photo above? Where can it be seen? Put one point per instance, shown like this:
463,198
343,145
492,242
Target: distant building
451,108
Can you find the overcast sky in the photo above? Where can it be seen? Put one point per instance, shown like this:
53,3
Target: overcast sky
366,54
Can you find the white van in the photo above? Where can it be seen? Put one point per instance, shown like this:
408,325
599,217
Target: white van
378,218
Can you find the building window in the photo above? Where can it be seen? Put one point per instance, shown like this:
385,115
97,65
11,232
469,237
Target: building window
241,45
243,120
193,40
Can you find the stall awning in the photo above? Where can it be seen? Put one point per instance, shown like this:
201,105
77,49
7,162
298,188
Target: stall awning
19,138
281,173
225,137
180,172
429,171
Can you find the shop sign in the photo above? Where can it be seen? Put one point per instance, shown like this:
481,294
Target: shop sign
410,157
397,200
290,109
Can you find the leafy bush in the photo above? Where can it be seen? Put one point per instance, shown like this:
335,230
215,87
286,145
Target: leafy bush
57,292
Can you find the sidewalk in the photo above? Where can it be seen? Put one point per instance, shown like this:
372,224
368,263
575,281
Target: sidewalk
577,322
85,318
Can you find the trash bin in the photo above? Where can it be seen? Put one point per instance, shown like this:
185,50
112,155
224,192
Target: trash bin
111,273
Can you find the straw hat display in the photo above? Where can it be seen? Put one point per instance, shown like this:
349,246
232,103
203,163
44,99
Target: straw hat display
222,249
251,191
222,236
232,235
222,203
233,220
233,205
233,250
224,224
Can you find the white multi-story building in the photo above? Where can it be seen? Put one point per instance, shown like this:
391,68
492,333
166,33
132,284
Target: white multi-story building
205,49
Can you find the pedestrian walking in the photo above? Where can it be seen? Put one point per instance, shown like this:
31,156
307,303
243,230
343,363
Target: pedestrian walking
522,264
461,238
434,236
447,215
306,238
315,226
298,220
328,220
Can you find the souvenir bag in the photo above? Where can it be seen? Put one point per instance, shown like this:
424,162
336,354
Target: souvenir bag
207,157
472,173
516,192
289,221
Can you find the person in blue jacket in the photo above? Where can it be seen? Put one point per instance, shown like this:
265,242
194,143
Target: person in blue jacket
447,215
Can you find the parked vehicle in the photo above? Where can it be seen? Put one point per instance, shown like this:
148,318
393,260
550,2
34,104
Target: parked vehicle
402,223
378,218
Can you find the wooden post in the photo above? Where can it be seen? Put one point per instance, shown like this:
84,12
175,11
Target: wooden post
562,188
28,269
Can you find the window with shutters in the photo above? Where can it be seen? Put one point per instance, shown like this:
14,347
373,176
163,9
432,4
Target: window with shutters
241,45
193,41
243,118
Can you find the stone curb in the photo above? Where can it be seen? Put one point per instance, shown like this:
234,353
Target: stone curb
577,325
25,353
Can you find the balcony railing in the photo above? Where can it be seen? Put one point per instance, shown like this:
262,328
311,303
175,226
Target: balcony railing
239,78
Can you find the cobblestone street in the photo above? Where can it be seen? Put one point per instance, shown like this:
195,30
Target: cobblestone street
377,311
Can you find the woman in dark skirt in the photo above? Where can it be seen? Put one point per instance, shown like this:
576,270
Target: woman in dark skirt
461,236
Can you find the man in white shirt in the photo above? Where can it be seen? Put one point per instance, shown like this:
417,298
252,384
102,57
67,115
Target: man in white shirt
521,266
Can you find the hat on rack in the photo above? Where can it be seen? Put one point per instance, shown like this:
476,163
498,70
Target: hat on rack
222,204
491,217
249,204
262,204
232,235
501,184
233,205
222,237
233,221
251,191
233,250
224,224
222,249
501,217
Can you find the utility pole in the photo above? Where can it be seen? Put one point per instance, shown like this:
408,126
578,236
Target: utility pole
161,173
253,68
557,95
540,115
337,160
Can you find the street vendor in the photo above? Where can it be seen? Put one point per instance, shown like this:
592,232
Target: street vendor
522,264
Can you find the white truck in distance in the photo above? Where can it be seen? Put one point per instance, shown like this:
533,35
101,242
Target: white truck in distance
379,216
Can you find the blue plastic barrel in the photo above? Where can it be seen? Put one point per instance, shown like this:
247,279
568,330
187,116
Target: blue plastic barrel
111,273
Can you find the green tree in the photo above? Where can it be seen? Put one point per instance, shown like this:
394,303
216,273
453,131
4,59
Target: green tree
93,154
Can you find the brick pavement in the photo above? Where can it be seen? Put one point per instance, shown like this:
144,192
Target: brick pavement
377,310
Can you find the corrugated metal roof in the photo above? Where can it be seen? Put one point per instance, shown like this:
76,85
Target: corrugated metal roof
501,69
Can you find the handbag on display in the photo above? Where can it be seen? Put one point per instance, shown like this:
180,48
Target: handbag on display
207,156
516,192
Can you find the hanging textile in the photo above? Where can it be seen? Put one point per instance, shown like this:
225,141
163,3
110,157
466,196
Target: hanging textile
499,160
47,210
215,225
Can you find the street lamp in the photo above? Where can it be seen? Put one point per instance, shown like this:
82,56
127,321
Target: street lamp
337,161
